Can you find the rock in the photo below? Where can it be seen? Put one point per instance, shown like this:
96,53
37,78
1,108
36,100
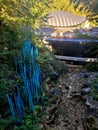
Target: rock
91,102
87,84
80,127
53,99
47,79
64,90
56,92
44,116
50,67
65,100
76,95
85,90
71,88
46,87
51,119
40,126
69,96
53,75
79,75
95,127
91,123
60,86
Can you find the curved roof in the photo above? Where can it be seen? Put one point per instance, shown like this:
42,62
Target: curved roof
62,18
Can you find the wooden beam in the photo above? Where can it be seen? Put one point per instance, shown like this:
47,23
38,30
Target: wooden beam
69,58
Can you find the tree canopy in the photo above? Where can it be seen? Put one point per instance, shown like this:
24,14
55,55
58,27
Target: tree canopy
23,12
30,12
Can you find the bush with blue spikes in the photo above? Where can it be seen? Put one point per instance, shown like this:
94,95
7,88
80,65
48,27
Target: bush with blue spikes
30,73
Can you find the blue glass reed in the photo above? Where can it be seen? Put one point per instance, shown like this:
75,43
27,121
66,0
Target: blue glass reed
11,105
30,73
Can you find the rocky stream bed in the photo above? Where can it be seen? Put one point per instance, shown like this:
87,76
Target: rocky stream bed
70,107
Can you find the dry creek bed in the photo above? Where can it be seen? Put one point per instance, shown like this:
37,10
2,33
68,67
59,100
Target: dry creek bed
68,109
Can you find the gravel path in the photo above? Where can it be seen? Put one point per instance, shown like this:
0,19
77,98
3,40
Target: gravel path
70,113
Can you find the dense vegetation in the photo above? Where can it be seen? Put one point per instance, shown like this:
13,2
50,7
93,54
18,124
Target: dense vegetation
18,20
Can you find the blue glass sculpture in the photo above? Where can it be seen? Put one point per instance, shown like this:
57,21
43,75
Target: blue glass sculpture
11,105
19,103
29,71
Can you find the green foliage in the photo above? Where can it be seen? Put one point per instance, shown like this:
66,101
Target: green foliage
48,62
17,18
45,101
5,123
10,44
44,57
89,8
60,5
51,65
7,82
23,12
59,66
86,36
91,50
69,5
94,90
29,123
92,67
3,90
